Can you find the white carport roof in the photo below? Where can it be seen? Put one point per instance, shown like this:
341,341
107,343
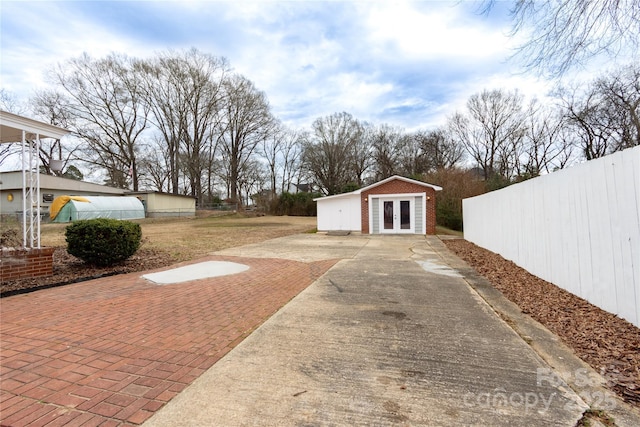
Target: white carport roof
12,125
376,184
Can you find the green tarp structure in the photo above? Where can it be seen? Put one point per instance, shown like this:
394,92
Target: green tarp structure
70,208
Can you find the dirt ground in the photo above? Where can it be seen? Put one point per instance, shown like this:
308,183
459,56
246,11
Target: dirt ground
165,242
608,343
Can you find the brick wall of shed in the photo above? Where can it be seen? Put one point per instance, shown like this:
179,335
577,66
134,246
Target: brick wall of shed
400,187
23,263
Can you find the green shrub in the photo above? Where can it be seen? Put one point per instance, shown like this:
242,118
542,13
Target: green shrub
103,241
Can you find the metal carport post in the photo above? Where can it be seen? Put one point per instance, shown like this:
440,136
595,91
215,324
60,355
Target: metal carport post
28,132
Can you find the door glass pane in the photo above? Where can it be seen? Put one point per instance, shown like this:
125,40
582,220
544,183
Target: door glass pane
388,215
405,215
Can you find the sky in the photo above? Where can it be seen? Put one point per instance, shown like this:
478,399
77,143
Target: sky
409,64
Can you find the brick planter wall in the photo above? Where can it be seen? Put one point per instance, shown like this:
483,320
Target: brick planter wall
21,263
400,187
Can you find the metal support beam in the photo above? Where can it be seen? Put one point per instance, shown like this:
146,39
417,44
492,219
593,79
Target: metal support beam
30,191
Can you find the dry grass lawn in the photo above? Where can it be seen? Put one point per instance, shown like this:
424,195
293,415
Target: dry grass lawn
189,238
165,241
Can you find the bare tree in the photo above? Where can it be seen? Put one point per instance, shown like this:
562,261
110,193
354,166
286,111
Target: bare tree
6,150
605,115
155,164
271,150
160,78
362,160
590,121
9,103
185,96
413,159
386,143
566,141
545,145
205,99
562,34
440,149
426,151
209,171
246,121
291,156
328,153
53,107
492,131
107,105
620,90
281,151
252,179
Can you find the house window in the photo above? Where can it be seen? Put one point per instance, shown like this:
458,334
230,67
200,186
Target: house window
47,197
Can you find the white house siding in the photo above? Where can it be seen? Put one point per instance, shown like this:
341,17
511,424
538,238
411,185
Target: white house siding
339,213
578,228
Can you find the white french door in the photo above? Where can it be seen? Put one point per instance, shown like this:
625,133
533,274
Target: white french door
397,215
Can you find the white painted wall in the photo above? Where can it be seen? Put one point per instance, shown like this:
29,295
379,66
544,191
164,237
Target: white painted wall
578,228
162,204
339,213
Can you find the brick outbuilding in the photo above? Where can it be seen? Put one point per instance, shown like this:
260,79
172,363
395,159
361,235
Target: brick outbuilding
396,205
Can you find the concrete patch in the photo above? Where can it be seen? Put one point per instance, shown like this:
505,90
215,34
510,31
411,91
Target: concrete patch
201,270
432,267
302,247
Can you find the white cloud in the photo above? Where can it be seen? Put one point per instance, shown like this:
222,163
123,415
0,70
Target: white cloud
408,63
352,93
438,32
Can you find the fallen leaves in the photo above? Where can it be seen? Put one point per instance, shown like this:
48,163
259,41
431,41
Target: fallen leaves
609,344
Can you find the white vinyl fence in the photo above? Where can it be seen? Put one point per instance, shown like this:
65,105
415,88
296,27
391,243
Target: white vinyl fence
578,228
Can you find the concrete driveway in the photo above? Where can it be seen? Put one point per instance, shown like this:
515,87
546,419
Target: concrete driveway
368,330
391,335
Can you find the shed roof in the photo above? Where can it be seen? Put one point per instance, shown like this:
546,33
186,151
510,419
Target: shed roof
376,184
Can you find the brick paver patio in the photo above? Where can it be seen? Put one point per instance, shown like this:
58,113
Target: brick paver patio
112,351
